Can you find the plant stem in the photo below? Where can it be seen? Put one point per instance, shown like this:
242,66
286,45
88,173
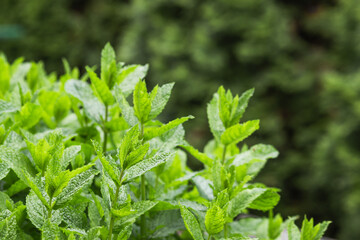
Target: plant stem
223,155
104,128
49,211
209,237
143,197
225,230
143,192
112,219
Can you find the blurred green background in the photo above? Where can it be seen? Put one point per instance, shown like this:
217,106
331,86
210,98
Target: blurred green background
302,57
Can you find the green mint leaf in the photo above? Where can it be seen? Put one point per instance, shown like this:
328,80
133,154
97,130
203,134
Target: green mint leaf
217,176
142,102
5,75
166,223
108,66
125,233
16,187
158,131
239,108
216,125
239,132
214,219
37,187
243,200
139,208
160,100
57,183
100,87
75,185
74,216
109,165
266,201
40,153
128,143
311,232
293,231
95,209
129,77
116,124
254,159
37,211
275,226
259,151
50,231
4,170
17,161
137,155
308,231
322,229
126,110
202,157
146,165
225,105
69,155
191,223
83,92
203,185
8,226
29,115
7,107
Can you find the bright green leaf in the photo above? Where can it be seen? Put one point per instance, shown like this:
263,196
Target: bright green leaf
160,100
101,88
243,200
129,77
216,125
239,132
191,223
83,92
146,165
155,132
214,219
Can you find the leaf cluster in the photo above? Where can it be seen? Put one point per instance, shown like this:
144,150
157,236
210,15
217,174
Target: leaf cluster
79,160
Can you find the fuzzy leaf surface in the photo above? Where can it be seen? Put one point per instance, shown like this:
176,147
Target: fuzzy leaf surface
160,100
83,92
146,165
191,223
243,200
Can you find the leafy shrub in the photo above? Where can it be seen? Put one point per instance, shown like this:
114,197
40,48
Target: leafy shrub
78,161
285,49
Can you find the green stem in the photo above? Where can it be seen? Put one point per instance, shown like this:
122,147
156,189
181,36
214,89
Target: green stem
225,230
104,128
223,155
114,201
271,217
143,192
143,197
209,237
49,212
141,131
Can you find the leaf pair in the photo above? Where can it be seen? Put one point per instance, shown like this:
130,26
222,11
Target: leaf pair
224,112
148,106
131,154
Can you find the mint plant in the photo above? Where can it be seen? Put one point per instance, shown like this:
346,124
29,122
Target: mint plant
79,161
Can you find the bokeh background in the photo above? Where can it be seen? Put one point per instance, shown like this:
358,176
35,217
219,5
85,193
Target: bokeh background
302,57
